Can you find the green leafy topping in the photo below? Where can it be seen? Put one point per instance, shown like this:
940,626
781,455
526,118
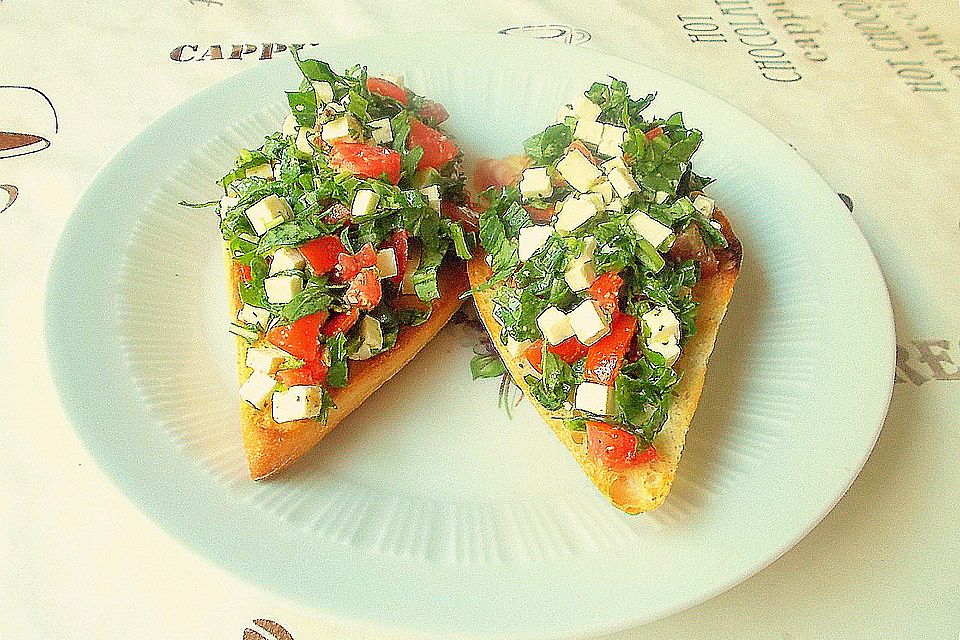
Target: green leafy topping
547,146
486,365
337,349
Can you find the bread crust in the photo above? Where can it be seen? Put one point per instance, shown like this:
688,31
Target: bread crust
644,487
271,447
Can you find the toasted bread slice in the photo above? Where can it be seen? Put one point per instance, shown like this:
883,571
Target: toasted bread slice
271,447
645,487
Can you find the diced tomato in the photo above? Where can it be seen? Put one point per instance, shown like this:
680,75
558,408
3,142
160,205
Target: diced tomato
366,161
570,350
322,253
312,372
615,448
540,216
606,291
433,112
496,172
398,242
649,454
340,322
364,291
656,132
582,148
348,266
606,356
464,215
438,149
299,339
243,271
387,89
337,213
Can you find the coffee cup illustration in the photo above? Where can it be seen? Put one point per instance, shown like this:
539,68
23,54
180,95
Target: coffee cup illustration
28,121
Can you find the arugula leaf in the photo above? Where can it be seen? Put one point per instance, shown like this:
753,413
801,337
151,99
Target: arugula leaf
311,300
293,233
337,348
643,394
557,383
548,145
486,365
303,106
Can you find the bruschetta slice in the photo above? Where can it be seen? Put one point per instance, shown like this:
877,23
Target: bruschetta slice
603,276
345,235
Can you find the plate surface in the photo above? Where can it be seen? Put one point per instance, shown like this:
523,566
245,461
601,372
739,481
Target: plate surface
429,508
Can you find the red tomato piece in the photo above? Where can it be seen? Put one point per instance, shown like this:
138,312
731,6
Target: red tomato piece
337,213
570,350
366,161
656,132
348,266
464,215
323,253
606,356
387,89
299,339
433,112
496,172
613,447
438,149
650,454
243,271
364,291
340,322
606,291
398,241
312,372
540,216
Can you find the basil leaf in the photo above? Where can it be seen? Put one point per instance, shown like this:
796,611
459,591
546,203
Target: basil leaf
337,348
303,105
309,301
548,145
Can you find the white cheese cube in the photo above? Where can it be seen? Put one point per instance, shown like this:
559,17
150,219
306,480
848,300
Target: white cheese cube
611,141
662,323
517,349
588,322
250,314
265,359
586,109
595,398
257,388
343,128
578,171
282,289
649,229
623,182
532,240
432,194
580,273
397,80
661,196
289,126
297,403
264,171
286,259
227,202
535,183
565,112
387,263
615,205
268,213
305,140
324,92
668,348
575,211
704,205
589,131
554,325
605,190
382,131
413,263
614,163
364,203
371,338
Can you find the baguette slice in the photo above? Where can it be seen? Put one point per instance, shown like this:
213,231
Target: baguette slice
644,487
270,446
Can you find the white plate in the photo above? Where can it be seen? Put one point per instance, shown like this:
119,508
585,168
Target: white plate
430,509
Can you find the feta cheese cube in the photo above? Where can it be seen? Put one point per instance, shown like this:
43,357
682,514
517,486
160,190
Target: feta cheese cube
605,190
432,194
227,202
286,259
250,314
261,171
413,263
623,182
535,183
289,126
611,141
387,263
661,196
580,273
382,131
343,128
578,171
268,213
595,398
566,111
297,403
256,389
589,131
649,229
588,322
669,348
323,90
615,205
517,348
265,359
532,240
662,323
586,109
554,325
612,164
575,211
364,202
371,338
282,289
704,205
